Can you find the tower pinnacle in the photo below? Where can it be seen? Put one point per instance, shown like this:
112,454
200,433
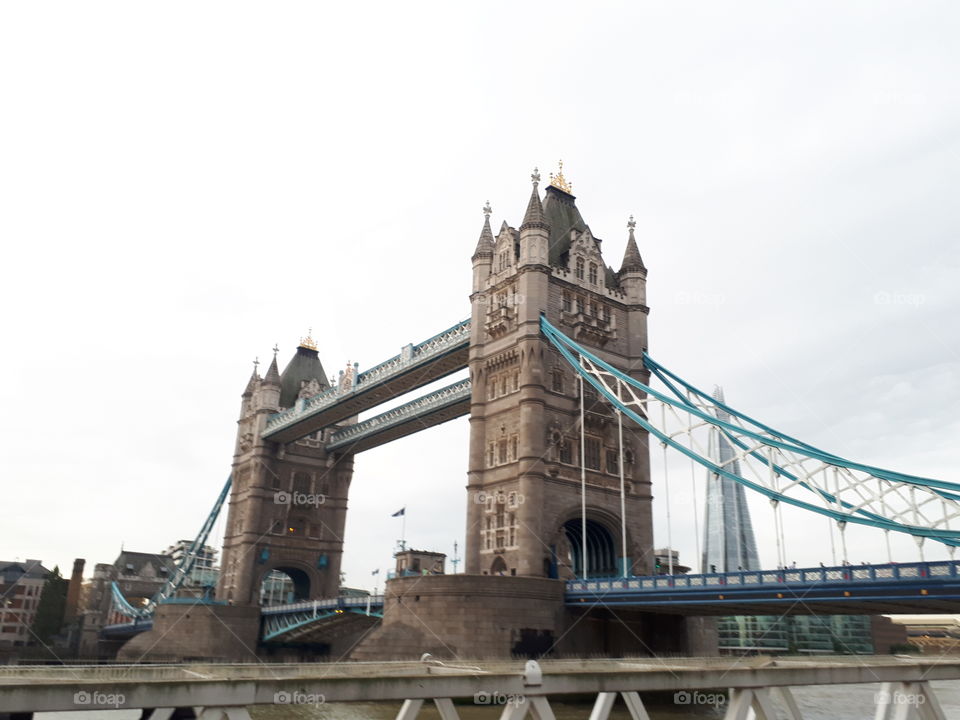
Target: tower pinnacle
534,218
631,256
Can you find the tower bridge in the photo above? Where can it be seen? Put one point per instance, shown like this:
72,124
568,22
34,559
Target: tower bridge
559,542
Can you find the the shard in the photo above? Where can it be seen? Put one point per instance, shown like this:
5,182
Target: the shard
729,544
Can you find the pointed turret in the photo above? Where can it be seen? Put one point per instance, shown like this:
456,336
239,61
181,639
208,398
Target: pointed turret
633,273
273,372
631,257
535,230
534,217
254,380
485,243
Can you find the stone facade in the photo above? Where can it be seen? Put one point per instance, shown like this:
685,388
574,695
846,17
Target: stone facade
524,477
288,502
197,632
457,616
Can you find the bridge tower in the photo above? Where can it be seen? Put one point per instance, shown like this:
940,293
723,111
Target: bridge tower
524,477
288,502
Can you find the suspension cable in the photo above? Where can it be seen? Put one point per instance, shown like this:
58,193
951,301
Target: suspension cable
774,482
623,498
583,482
666,488
693,486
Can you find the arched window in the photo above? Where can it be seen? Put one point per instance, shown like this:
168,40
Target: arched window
593,273
580,265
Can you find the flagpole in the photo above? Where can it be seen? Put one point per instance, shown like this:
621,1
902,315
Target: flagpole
403,530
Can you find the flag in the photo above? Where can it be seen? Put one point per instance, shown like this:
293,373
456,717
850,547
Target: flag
376,572
401,512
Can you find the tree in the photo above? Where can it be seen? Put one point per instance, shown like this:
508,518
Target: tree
53,602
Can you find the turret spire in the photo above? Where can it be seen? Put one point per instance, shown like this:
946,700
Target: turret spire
485,244
631,257
273,373
534,215
254,379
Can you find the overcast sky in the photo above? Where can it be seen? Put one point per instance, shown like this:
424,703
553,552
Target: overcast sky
182,185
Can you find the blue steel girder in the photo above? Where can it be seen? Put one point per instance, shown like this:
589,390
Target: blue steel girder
428,411
783,469
416,366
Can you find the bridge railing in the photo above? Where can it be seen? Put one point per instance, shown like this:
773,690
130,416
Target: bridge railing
843,574
411,355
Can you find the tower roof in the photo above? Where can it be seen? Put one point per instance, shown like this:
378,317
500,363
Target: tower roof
252,382
561,214
631,256
303,367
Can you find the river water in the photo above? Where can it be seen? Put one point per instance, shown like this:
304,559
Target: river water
828,702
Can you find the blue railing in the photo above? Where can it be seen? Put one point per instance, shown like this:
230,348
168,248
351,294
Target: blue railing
843,574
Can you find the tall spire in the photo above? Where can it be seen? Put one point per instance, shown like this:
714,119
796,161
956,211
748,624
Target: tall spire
534,217
273,373
485,244
631,257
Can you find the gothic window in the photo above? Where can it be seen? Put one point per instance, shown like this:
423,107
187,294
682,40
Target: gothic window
513,531
580,265
579,304
567,302
592,453
566,452
491,454
502,452
628,463
503,385
301,483
593,310
606,313
277,527
513,448
556,381
613,462
593,273
512,500
491,388
516,380
504,260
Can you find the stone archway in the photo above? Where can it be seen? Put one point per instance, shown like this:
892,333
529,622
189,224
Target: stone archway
498,566
284,584
600,546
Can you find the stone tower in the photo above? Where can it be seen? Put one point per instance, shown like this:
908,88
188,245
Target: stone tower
523,515
288,503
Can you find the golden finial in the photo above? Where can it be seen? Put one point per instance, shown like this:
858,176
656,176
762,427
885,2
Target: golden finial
560,182
308,342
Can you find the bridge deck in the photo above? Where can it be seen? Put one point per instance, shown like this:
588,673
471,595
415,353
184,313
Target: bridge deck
932,587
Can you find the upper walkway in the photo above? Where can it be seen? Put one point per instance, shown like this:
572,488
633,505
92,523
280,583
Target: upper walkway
415,366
